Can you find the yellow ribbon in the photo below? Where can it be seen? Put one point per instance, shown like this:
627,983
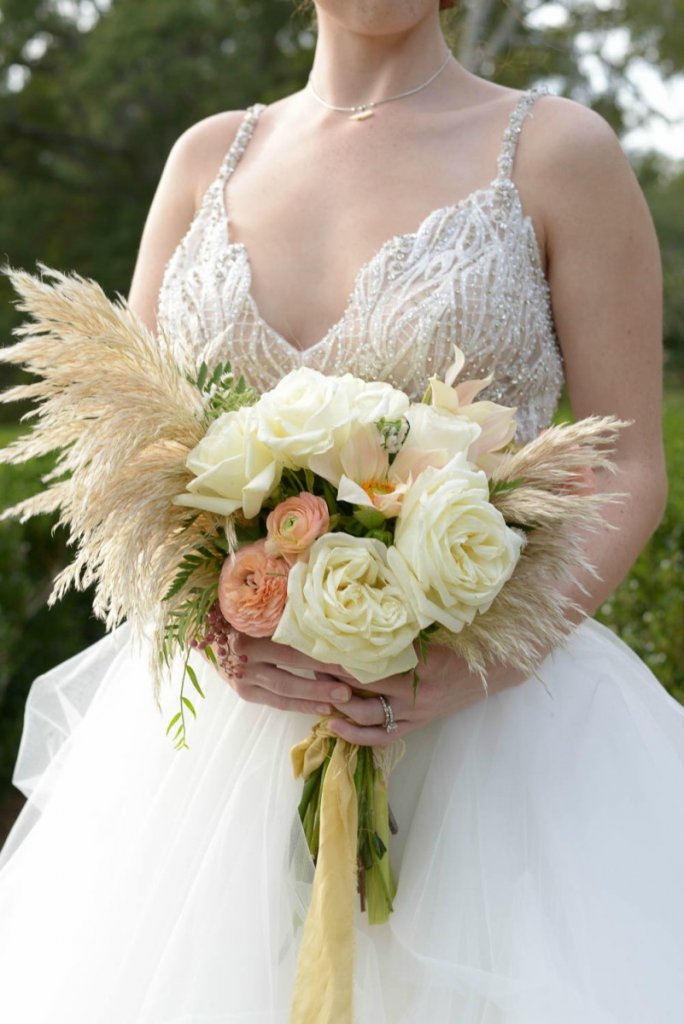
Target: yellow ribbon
325,967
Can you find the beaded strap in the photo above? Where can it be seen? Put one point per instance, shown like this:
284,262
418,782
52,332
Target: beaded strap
239,143
512,133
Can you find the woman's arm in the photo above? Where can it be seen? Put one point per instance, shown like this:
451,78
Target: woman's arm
606,287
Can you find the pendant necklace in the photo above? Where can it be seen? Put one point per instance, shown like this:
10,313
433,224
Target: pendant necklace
365,110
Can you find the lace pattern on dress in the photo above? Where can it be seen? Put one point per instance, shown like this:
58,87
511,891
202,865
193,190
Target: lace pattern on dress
470,274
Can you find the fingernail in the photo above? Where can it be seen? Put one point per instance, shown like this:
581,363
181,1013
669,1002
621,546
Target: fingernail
340,693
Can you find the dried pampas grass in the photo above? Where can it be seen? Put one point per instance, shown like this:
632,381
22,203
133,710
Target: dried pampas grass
533,488
116,406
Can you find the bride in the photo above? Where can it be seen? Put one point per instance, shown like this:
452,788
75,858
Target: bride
396,205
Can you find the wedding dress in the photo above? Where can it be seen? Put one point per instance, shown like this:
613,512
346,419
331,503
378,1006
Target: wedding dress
540,852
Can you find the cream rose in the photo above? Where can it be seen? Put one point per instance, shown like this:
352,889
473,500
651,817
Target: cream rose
372,400
439,432
453,551
309,413
304,414
346,607
232,468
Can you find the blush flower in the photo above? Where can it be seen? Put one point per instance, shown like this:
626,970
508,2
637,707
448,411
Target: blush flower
252,590
294,524
362,470
497,422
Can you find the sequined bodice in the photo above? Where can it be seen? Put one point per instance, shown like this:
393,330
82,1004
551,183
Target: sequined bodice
470,275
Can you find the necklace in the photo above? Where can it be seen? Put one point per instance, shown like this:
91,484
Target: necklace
365,110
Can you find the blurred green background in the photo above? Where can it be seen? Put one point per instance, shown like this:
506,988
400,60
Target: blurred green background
92,96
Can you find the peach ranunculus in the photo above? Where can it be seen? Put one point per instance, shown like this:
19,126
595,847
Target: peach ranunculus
497,422
294,524
252,590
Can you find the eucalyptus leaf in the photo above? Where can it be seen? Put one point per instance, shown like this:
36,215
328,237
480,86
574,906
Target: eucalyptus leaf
193,678
172,722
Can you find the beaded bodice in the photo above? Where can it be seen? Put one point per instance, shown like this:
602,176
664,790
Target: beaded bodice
470,275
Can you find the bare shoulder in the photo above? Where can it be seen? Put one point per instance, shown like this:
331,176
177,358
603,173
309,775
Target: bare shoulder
577,180
570,150
571,122
196,155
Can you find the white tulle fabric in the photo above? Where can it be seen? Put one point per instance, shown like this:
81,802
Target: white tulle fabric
539,856
541,837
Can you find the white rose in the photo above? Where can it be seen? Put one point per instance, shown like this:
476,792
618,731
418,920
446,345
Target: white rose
433,430
453,550
345,606
372,400
368,402
232,468
304,414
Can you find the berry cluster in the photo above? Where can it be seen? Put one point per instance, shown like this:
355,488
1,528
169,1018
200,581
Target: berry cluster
220,633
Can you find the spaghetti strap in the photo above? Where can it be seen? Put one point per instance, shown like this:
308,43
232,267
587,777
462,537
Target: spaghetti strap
239,143
514,129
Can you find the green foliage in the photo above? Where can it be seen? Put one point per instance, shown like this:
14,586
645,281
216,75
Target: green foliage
224,393
186,624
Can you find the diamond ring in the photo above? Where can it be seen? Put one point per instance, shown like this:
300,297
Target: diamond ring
389,723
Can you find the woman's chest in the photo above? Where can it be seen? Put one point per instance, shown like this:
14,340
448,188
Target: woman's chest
469,275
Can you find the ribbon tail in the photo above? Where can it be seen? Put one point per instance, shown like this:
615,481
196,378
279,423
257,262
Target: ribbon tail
325,967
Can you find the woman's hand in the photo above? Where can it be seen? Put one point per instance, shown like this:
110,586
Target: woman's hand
446,686
267,675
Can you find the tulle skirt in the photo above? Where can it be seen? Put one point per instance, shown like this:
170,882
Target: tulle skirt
540,855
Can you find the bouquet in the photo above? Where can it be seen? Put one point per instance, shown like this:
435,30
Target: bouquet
331,514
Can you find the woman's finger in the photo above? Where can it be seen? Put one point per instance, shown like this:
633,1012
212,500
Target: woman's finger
322,689
368,710
367,736
394,686
251,681
260,695
263,650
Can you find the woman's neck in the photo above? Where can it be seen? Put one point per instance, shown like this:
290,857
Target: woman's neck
352,67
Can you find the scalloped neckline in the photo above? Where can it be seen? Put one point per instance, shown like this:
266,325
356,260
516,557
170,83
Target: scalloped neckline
367,265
